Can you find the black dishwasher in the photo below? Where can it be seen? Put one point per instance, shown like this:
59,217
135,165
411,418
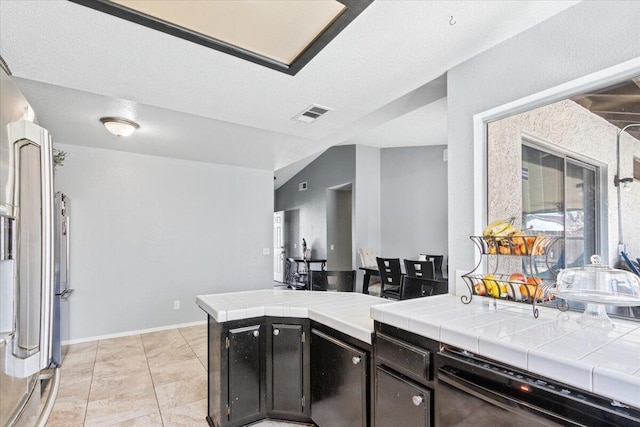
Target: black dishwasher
473,391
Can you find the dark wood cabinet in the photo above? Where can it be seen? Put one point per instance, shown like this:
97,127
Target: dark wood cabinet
245,376
404,378
339,376
288,378
237,372
400,402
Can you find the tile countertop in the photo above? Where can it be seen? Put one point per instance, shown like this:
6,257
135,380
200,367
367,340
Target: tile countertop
347,312
554,345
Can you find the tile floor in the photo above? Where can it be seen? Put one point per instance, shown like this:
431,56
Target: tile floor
154,379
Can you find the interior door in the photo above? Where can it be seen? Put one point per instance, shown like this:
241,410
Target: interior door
279,252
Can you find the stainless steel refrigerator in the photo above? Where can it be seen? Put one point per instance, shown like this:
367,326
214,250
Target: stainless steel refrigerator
26,260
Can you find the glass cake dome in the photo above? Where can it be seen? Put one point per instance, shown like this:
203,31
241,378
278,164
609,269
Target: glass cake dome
598,285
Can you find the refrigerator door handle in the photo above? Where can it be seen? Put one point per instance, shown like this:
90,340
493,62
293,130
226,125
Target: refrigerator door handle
22,134
66,293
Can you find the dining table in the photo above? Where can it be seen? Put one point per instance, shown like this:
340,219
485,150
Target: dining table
440,281
302,273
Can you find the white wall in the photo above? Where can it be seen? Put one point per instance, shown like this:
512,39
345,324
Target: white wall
146,231
413,194
586,38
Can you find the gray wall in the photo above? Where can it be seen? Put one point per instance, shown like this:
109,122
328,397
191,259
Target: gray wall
146,231
579,41
413,191
334,167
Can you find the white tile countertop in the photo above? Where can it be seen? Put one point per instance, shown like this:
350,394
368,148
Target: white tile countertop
347,312
605,362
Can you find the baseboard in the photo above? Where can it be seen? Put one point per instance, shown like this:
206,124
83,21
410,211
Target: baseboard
136,332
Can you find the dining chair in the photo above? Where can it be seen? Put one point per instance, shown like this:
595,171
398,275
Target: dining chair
318,280
424,269
341,281
415,287
390,277
437,260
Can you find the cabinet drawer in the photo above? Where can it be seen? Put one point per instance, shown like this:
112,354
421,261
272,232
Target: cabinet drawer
405,358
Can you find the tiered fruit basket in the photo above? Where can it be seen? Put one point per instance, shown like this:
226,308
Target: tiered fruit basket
515,286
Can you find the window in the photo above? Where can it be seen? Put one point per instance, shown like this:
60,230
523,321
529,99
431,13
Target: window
560,196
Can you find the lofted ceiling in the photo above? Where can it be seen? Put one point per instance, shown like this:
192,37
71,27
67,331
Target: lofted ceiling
380,76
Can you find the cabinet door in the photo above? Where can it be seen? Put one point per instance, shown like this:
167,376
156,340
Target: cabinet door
338,382
399,402
287,356
244,372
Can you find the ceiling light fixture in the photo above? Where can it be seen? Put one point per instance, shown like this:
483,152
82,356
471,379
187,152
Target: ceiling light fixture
119,126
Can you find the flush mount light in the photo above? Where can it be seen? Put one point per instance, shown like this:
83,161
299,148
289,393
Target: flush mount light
119,126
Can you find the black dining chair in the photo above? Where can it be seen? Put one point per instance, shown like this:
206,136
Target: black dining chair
341,281
437,260
415,287
390,277
423,269
318,280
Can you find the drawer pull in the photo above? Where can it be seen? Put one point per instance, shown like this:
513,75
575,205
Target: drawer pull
256,334
276,332
356,359
417,400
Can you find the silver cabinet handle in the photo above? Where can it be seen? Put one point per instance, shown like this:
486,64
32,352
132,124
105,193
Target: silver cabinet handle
276,332
417,400
356,359
256,333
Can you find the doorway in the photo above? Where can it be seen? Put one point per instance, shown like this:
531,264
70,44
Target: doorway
279,251
339,228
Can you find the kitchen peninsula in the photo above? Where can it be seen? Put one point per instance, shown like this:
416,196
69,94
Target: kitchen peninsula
323,350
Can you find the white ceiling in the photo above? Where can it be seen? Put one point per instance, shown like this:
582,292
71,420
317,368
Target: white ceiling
76,65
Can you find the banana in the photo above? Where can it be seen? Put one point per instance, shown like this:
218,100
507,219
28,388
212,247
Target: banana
499,228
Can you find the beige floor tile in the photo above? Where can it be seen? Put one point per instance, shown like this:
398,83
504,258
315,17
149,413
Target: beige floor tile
119,408
134,384
194,332
79,348
78,388
161,337
204,362
78,372
68,412
177,371
193,414
107,354
120,341
126,365
166,356
170,342
79,358
181,392
200,351
149,420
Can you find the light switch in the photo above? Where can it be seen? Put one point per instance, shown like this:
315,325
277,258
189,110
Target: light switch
266,251
331,247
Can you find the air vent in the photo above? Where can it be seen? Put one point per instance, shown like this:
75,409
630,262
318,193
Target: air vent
311,113
302,186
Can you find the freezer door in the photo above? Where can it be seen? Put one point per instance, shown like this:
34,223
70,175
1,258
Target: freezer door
30,296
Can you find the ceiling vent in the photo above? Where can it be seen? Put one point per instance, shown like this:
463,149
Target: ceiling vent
311,113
